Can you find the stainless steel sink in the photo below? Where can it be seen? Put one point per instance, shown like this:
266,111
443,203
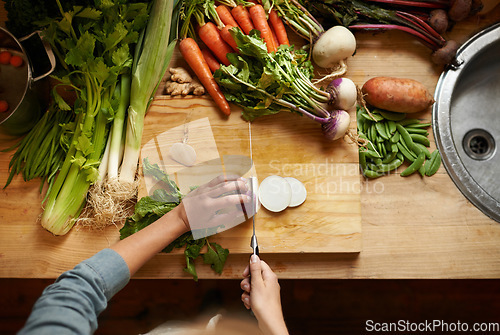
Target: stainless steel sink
467,120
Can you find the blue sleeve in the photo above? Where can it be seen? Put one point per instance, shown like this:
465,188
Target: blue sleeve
72,304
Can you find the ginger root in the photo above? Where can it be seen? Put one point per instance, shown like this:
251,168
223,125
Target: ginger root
180,75
174,88
182,83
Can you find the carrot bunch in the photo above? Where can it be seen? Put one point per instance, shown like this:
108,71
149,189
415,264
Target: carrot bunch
206,39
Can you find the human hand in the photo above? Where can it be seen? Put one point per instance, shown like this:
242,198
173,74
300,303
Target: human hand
221,202
262,295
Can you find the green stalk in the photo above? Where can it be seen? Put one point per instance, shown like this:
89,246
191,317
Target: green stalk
154,56
66,202
118,125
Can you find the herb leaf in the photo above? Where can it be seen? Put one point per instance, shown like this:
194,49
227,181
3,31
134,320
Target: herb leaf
216,256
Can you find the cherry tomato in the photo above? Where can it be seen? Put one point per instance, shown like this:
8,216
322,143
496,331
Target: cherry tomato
4,106
5,57
16,61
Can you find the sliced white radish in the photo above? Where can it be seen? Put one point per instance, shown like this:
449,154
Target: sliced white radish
299,192
275,193
183,153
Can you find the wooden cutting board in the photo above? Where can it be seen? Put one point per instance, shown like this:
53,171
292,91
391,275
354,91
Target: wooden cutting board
287,145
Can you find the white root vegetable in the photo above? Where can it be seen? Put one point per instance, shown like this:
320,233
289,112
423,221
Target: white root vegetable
275,193
344,92
333,47
299,192
183,153
337,126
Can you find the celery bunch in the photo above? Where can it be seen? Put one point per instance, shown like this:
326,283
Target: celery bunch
93,45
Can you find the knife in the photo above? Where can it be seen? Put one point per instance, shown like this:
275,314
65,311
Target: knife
253,181
253,242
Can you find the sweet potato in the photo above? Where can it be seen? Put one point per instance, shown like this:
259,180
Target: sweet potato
397,94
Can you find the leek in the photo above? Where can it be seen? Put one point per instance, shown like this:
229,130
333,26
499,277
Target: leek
150,64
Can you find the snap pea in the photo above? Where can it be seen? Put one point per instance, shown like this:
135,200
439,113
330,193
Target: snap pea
388,146
362,159
392,126
414,166
389,158
394,148
422,169
372,174
360,121
395,137
380,126
405,152
370,145
390,166
405,136
420,139
420,131
400,156
387,130
424,149
366,127
433,164
419,125
415,150
380,145
392,115
372,154
372,133
376,117
371,166
407,122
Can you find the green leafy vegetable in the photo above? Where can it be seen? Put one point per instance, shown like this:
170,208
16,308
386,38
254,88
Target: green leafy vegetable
93,48
150,208
263,83
216,256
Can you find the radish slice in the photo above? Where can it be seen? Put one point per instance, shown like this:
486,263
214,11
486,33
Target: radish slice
183,153
299,192
275,193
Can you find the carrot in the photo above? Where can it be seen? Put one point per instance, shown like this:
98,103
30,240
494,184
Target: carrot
228,38
242,16
397,94
279,28
259,19
213,63
193,56
210,35
275,39
225,16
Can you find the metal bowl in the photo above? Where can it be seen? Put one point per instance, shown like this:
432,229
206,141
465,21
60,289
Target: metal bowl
467,120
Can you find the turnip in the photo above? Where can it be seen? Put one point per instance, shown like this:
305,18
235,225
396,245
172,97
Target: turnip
333,47
299,192
343,93
337,125
275,193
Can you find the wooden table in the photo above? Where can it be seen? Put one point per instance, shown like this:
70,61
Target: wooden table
412,227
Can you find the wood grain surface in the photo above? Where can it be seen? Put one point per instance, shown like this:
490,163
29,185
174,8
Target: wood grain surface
411,227
286,145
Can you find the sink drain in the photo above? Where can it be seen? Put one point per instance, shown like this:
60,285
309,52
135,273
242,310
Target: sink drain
479,144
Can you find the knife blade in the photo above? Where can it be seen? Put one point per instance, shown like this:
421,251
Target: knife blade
253,242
